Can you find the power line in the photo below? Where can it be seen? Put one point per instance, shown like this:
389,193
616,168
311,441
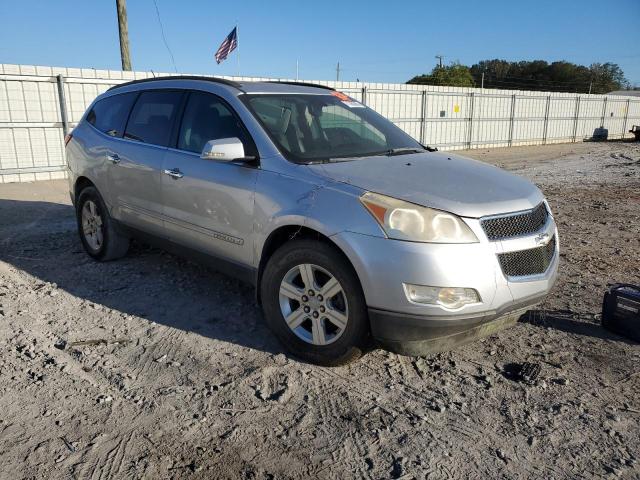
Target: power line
164,39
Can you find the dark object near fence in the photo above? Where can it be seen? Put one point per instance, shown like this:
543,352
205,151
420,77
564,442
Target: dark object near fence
600,134
636,132
621,310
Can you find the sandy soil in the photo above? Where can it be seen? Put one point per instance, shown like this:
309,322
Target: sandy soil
154,367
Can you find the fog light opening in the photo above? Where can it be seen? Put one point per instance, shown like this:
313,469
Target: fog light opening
448,297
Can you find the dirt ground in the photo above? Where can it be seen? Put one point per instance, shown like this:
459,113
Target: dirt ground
154,367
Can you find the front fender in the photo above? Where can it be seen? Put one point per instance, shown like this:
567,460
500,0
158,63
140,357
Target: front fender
321,205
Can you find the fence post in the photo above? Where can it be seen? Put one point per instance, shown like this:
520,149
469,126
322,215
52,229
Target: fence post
471,109
63,105
626,117
423,118
364,95
546,121
604,110
577,118
512,118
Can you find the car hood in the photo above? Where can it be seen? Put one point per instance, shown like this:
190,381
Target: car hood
440,180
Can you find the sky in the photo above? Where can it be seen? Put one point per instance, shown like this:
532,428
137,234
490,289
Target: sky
381,41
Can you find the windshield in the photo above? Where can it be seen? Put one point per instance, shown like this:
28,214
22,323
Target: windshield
312,128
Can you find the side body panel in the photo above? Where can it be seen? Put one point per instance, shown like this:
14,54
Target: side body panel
211,207
86,157
288,194
134,185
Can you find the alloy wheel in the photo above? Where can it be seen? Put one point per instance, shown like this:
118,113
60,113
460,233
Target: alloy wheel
313,304
92,225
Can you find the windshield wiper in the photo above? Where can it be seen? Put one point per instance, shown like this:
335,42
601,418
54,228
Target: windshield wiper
341,159
389,153
402,151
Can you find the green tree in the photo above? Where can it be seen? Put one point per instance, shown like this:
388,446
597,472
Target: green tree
560,76
606,77
454,75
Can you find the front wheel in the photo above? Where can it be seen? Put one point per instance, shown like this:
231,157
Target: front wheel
313,302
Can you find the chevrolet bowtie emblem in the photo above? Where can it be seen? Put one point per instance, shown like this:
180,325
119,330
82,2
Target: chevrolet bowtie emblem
542,239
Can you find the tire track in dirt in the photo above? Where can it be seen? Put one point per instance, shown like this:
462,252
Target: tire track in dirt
105,459
156,353
354,443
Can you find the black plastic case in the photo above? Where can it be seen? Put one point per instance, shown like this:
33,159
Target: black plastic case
621,310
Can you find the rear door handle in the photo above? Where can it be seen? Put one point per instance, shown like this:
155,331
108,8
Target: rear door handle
113,158
173,173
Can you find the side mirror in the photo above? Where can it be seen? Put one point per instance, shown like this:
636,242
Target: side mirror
224,150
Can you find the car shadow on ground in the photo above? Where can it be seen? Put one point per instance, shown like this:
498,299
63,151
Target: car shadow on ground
571,322
41,239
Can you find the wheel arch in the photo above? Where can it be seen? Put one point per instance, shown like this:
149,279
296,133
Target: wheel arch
287,233
80,184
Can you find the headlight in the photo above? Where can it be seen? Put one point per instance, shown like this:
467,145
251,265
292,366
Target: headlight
406,221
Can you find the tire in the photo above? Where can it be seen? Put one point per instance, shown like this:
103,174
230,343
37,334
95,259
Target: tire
326,339
98,232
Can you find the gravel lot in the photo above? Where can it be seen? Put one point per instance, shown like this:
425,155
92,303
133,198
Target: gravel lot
155,367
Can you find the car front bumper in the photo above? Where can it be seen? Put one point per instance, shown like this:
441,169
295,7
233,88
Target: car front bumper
416,335
383,265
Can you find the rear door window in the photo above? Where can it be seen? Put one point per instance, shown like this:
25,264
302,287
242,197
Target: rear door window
152,117
110,114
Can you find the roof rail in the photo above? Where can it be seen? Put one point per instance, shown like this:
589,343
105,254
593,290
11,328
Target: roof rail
178,77
302,84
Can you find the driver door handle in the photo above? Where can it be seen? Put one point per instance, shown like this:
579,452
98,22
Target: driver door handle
173,173
113,158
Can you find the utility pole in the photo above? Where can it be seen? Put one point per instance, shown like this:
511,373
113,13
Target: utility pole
440,57
297,69
121,5
338,72
482,81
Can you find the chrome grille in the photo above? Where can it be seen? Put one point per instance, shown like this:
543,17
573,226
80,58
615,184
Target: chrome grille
528,262
515,225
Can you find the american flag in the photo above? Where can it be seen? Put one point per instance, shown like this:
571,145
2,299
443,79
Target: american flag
230,43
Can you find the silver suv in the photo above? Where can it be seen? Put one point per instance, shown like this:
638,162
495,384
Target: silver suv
350,229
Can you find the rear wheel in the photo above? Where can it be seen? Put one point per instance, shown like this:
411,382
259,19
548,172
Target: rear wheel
98,233
313,302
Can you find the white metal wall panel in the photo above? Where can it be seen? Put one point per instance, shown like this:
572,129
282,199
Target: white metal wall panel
529,119
31,135
614,116
561,119
590,116
634,114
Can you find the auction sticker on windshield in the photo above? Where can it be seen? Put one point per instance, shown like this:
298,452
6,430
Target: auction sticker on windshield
347,100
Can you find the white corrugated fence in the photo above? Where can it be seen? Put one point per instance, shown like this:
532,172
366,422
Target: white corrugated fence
38,102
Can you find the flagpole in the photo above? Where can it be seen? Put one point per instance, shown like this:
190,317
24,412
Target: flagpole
238,47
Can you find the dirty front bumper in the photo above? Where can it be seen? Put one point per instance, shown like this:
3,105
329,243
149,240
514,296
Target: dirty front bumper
415,335
384,265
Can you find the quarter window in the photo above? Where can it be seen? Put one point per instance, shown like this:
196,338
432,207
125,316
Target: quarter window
153,116
206,117
110,114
